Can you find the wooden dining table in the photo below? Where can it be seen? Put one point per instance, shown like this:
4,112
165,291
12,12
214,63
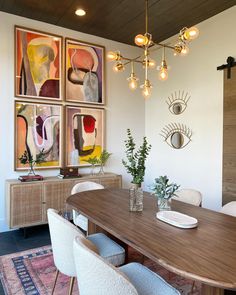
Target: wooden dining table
206,253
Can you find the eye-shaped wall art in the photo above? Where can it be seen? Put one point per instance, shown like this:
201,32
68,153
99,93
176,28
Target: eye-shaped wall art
177,102
176,135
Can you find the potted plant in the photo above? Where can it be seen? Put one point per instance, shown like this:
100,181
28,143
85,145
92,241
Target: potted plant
163,191
27,158
135,165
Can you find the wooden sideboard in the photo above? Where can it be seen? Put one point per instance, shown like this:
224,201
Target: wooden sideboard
27,202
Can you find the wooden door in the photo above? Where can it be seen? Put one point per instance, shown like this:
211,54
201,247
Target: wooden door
229,138
26,205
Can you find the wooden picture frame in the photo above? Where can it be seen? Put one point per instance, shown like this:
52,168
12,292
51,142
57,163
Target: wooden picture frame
84,72
38,64
38,127
84,136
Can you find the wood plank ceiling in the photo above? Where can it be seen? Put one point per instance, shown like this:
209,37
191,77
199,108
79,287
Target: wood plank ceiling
119,20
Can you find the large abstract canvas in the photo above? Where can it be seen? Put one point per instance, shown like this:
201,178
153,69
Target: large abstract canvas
84,72
84,134
38,129
37,64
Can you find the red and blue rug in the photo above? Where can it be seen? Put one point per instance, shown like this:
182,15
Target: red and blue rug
33,272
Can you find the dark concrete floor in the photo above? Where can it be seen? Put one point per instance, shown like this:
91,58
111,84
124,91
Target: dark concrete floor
14,241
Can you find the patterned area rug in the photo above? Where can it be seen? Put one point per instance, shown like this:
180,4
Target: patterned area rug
32,272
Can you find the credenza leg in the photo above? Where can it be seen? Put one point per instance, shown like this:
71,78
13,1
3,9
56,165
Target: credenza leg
209,290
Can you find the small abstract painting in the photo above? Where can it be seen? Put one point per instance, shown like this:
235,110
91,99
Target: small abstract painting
38,129
37,64
84,134
84,72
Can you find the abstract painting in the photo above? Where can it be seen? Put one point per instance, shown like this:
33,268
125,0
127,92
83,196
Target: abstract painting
84,134
37,64
38,129
84,72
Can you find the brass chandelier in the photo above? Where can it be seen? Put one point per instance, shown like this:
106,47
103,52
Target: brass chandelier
145,41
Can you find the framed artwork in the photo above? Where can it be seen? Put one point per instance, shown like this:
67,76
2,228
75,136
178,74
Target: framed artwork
38,130
84,77
37,64
84,134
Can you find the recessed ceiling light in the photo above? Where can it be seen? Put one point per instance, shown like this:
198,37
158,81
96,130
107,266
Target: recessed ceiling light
80,12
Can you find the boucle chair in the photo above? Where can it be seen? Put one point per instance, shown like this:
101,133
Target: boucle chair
229,208
95,276
189,196
63,232
79,219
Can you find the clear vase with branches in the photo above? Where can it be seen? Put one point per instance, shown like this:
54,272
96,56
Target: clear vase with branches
27,158
135,165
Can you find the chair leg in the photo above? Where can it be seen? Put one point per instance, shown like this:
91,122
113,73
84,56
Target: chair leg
72,279
193,287
54,285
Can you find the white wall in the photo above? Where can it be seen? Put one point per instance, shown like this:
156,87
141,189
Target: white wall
198,165
124,109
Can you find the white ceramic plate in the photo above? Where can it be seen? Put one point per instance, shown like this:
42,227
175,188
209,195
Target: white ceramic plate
177,219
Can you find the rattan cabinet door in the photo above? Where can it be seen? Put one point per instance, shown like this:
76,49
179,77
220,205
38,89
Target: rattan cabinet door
26,205
111,182
55,195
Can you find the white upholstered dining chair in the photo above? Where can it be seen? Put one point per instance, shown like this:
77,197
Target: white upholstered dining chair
63,233
229,208
96,276
79,219
189,196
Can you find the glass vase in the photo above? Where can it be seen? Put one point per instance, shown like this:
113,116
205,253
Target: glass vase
135,198
31,171
163,204
101,171
92,171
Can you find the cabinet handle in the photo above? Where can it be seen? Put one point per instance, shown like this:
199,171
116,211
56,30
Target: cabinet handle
43,202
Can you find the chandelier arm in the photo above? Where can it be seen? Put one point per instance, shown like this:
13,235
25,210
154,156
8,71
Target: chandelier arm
164,45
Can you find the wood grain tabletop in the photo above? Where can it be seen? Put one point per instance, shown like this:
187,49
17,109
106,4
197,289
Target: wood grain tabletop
206,253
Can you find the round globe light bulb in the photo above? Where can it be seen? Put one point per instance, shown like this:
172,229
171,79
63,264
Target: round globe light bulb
192,33
133,84
151,63
163,74
146,92
184,51
140,40
118,67
111,55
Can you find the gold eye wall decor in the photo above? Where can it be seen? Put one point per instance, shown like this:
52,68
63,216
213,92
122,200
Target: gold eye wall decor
177,102
176,135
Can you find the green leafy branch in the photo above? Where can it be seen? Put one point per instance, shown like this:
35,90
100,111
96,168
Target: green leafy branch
101,160
162,188
27,158
135,164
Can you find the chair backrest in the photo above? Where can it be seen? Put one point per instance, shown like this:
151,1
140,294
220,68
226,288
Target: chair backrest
86,186
189,196
229,208
62,234
95,276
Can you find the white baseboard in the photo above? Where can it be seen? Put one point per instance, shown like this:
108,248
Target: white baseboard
3,226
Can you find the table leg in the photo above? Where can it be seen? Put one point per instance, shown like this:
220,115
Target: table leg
91,228
209,290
